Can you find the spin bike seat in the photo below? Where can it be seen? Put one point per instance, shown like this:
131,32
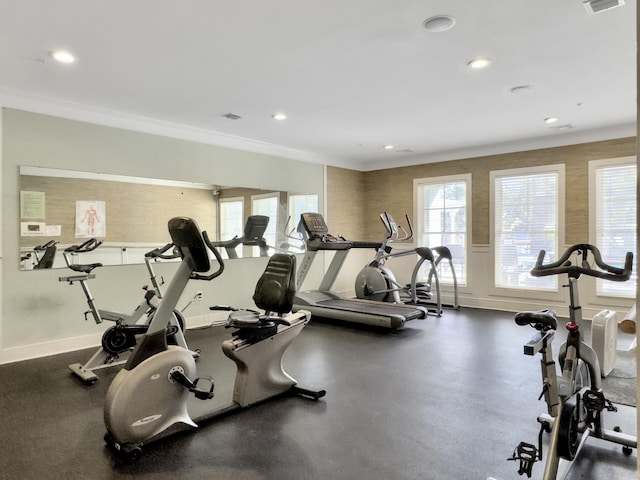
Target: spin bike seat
87,268
540,320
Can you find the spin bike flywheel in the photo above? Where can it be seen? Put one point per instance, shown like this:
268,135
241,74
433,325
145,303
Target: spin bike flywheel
572,426
120,338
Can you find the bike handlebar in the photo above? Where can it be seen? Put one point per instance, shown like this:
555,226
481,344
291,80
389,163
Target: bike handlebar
87,246
218,272
564,265
159,252
50,243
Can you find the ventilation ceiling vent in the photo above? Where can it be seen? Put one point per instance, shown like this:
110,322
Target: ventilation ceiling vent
232,116
598,6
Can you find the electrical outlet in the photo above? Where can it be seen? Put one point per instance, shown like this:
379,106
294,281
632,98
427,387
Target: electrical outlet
198,297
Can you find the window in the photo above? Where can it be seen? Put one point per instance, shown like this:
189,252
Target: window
231,218
267,205
527,205
298,204
443,213
612,217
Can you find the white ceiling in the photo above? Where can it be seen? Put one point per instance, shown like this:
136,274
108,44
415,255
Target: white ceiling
352,75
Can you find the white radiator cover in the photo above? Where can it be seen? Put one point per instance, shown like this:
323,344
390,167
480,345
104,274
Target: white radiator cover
604,339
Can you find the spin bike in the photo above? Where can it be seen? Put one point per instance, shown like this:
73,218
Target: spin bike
377,282
575,400
121,337
147,399
44,255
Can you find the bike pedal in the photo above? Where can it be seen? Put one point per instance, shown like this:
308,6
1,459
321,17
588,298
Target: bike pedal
595,401
527,454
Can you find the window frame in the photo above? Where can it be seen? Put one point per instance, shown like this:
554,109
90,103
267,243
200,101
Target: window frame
221,221
494,175
418,183
594,166
271,234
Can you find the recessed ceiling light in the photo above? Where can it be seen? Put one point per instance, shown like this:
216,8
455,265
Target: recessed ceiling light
279,116
550,120
388,147
521,89
479,63
439,23
62,56
566,126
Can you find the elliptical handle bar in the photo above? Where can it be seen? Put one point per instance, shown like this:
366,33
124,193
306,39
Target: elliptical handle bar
388,220
216,253
87,246
410,227
159,252
563,265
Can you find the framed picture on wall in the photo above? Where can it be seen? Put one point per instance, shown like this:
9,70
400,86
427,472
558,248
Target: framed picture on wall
91,219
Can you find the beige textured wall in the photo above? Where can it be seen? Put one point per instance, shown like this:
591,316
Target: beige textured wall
346,203
392,189
136,213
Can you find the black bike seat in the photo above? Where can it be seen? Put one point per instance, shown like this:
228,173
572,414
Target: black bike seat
540,320
84,268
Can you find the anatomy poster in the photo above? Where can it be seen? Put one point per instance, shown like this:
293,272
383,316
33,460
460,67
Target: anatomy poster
91,219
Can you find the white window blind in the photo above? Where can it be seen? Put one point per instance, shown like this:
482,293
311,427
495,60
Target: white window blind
267,205
231,218
525,219
614,219
299,204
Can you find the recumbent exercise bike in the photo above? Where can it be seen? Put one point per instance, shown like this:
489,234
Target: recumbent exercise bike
147,399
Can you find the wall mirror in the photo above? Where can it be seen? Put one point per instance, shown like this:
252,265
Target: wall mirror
61,208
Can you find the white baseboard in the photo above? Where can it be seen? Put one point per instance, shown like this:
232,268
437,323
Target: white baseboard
56,347
28,352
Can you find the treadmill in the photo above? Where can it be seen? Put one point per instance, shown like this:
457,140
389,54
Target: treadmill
327,304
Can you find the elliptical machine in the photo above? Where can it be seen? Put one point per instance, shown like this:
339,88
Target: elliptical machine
147,400
377,282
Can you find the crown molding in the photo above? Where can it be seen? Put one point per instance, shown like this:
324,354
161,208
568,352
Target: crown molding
110,118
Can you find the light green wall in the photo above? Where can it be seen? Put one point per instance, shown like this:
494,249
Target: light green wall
39,312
